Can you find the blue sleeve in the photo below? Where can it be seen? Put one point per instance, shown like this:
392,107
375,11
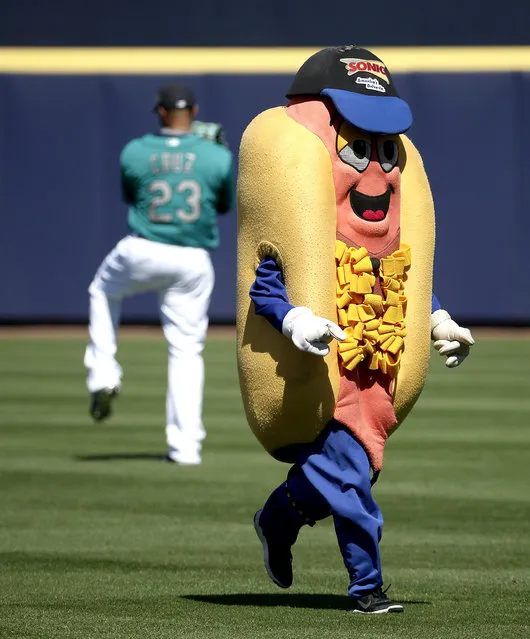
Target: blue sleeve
436,306
268,293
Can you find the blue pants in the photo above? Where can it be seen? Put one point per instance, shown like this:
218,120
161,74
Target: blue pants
332,477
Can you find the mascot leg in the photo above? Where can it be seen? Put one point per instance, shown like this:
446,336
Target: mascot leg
338,468
332,477
292,505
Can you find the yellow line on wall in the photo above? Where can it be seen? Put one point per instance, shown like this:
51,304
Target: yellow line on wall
186,61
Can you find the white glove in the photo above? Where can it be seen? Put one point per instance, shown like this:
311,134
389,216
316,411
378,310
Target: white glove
310,333
450,339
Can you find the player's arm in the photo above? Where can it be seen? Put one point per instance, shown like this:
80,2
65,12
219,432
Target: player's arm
225,199
127,175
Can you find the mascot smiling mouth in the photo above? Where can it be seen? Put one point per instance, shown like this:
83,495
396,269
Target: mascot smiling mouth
372,208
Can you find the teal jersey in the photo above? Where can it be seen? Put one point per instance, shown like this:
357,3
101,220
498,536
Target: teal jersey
175,185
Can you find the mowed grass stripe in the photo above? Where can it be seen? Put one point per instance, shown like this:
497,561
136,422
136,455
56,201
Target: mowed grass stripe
100,539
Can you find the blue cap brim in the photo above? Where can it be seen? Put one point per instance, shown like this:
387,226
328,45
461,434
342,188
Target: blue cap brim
374,113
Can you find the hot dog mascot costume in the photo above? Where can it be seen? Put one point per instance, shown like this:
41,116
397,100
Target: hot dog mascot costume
335,304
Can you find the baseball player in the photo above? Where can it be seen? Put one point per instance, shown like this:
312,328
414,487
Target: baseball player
174,182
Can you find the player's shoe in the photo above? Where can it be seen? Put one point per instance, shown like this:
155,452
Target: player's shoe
375,603
277,556
101,404
177,457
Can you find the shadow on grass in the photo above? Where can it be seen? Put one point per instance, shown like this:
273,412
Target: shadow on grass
313,601
122,457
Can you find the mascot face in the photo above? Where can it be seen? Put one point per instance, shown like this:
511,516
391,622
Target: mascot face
366,173
369,184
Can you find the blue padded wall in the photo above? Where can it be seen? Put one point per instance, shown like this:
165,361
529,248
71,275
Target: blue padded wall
60,139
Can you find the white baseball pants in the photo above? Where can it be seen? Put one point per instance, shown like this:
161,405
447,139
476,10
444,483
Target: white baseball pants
183,278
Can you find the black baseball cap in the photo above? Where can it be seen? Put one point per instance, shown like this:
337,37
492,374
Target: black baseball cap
174,96
359,85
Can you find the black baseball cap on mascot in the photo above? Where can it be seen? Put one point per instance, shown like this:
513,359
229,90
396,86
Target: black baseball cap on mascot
359,85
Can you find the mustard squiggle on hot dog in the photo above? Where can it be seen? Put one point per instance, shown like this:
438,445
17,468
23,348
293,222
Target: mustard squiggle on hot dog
374,324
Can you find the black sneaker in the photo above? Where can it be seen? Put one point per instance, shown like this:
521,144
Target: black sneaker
277,556
376,603
101,405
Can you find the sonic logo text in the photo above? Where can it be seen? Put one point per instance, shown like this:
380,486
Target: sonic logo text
356,65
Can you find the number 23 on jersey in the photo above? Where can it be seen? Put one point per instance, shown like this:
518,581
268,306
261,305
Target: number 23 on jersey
161,195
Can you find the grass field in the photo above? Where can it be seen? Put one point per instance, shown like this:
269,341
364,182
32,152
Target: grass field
100,539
